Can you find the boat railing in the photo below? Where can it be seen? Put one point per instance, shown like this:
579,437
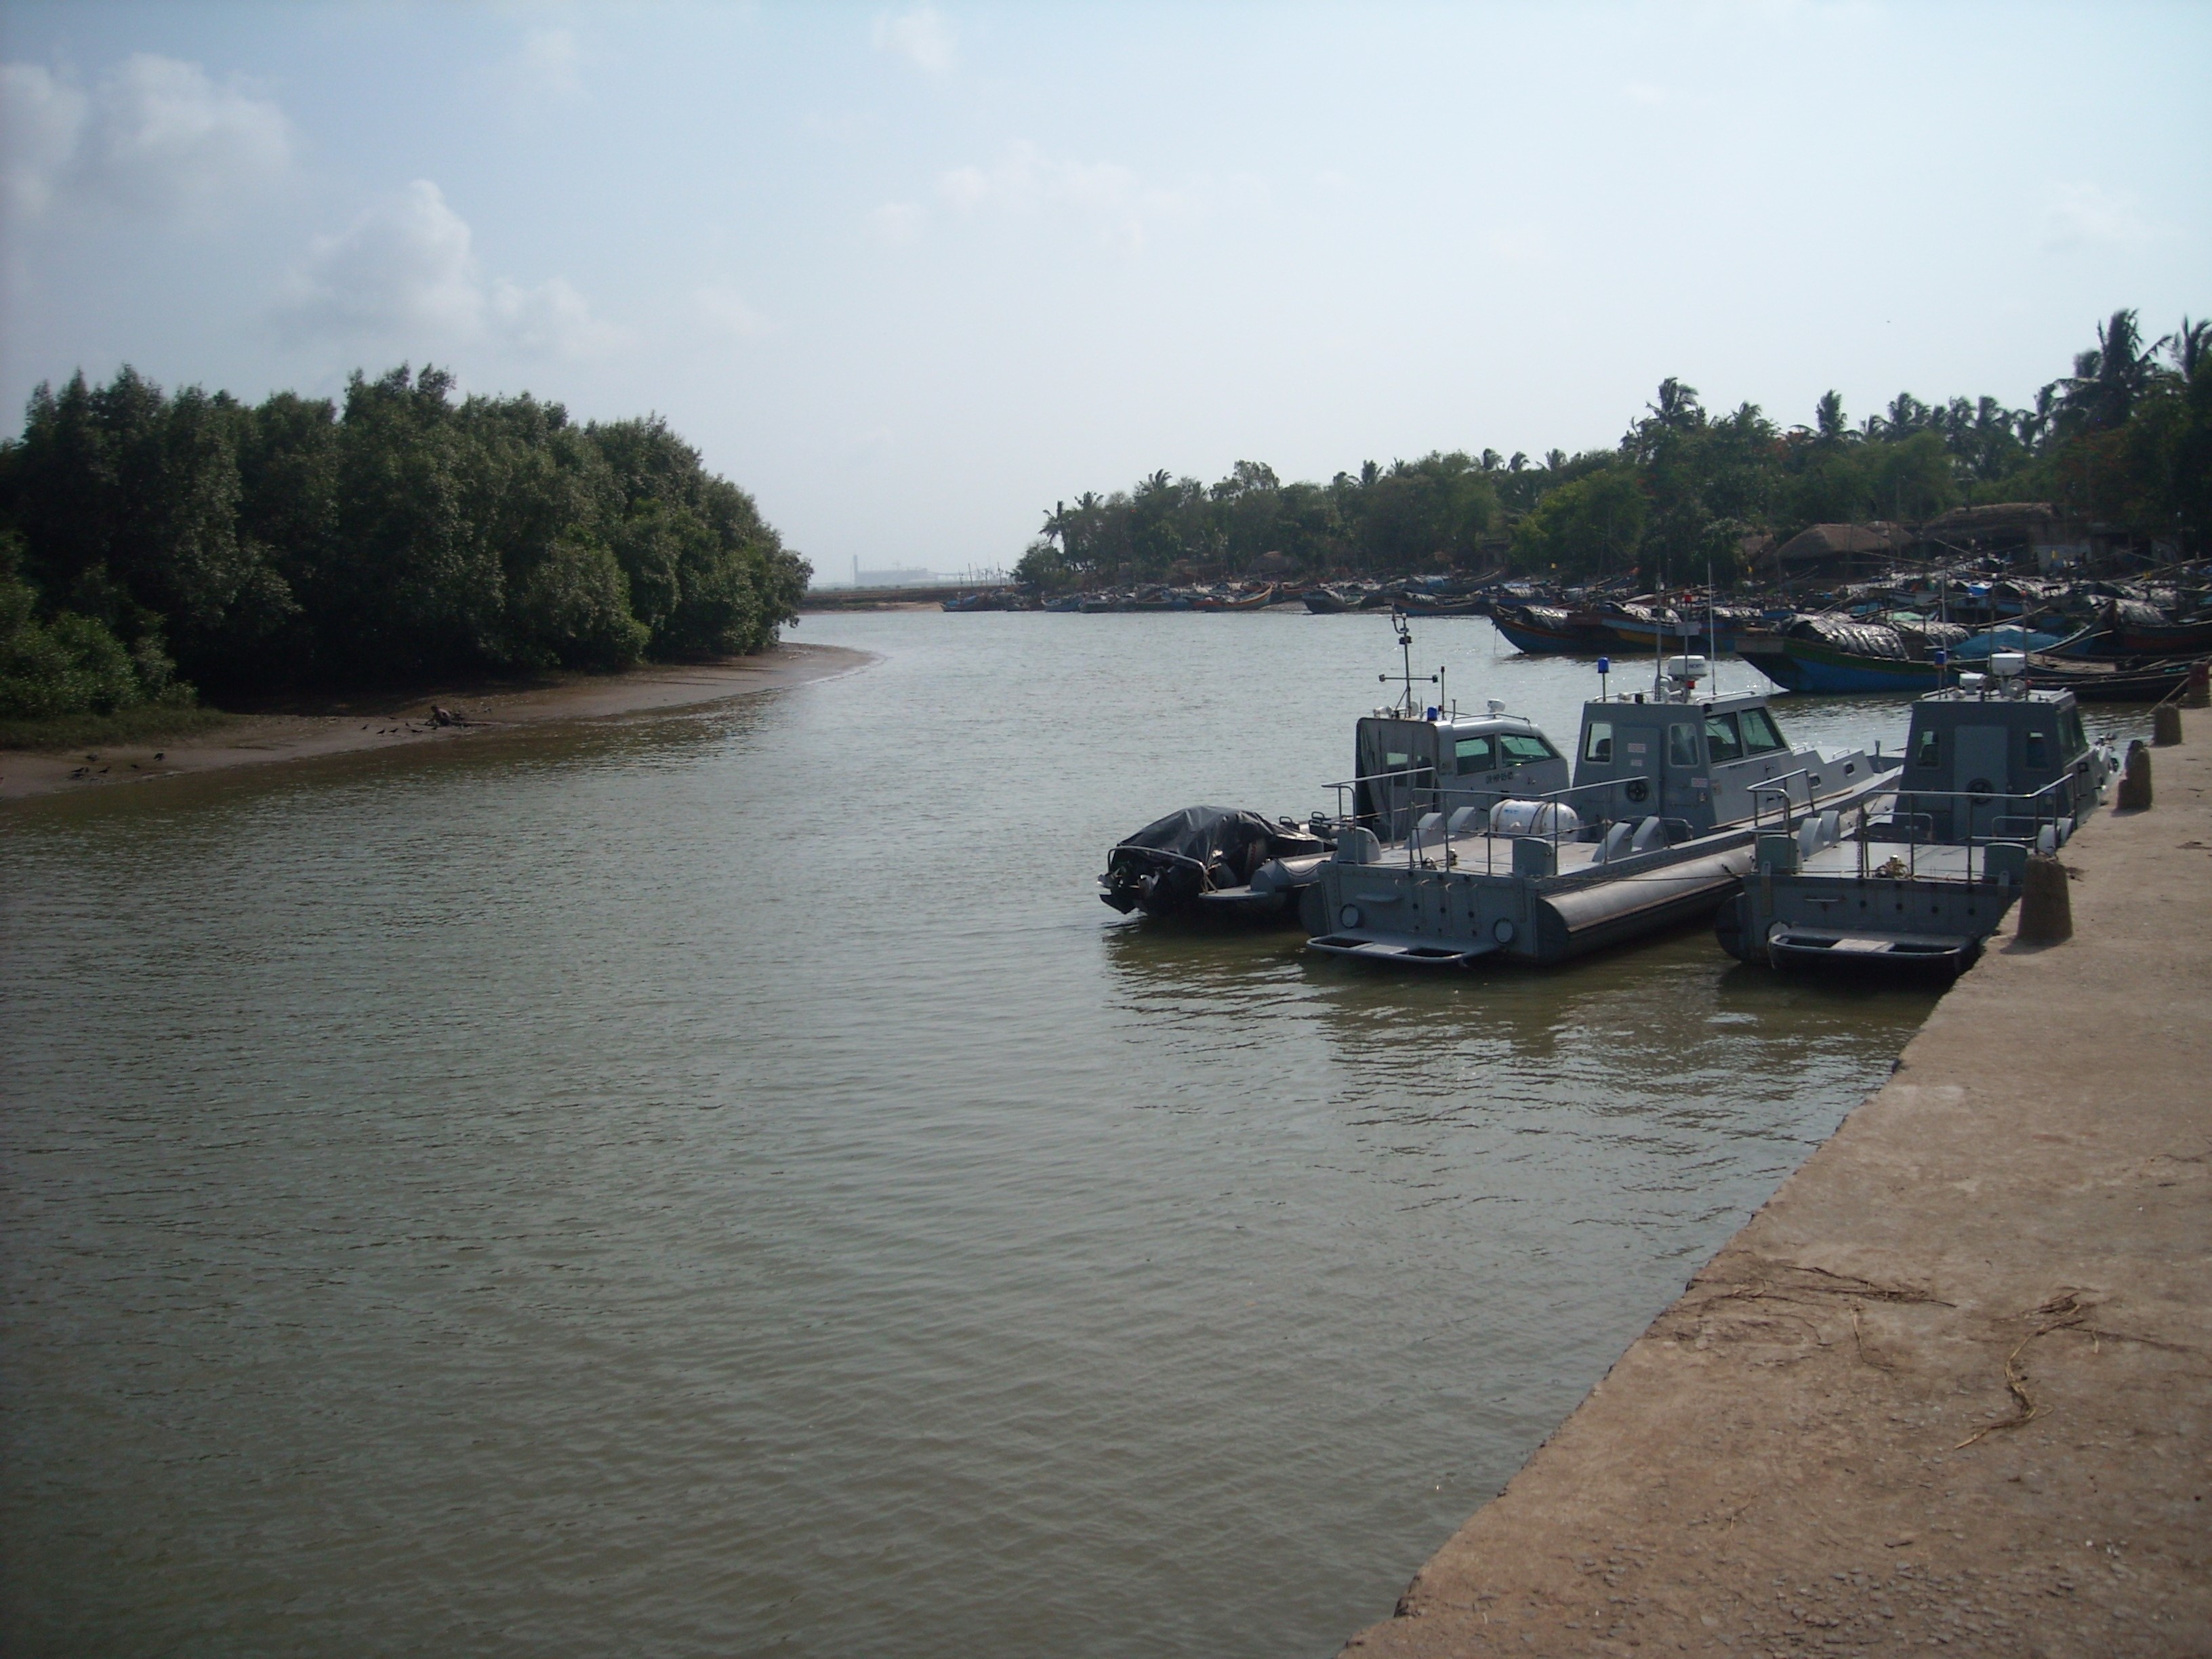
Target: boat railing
1444,800
1914,827
1764,792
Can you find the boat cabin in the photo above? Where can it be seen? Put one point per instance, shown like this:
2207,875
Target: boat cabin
1700,762
1980,761
1406,766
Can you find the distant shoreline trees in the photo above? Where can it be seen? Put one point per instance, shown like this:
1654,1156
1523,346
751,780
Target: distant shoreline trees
151,542
2126,439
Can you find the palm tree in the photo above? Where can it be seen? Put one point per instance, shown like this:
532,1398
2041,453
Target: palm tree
1678,404
1828,417
2189,345
2107,382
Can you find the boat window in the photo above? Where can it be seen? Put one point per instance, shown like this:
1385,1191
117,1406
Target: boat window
1475,755
2039,749
1598,746
1721,738
1519,748
1761,734
1930,750
1681,745
2070,723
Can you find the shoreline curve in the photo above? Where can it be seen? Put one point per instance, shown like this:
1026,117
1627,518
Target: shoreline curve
372,722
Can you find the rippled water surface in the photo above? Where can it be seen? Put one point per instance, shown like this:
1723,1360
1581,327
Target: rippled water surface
721,1182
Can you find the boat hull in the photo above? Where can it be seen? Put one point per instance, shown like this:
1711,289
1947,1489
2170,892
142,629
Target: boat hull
1533,638
1807,666
1463,917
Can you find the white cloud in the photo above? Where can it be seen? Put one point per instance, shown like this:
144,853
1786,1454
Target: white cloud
2079,214
550,66
154,133
40,120
896,224
552,318
406,270
724,309
1109,196
920,36
408,264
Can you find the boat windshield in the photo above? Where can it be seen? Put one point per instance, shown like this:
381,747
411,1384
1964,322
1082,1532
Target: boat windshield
1520,748
1761,734
1475,755
1722,741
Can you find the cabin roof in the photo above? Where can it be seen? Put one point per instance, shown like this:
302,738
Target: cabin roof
1465,725
1727,704
2037,697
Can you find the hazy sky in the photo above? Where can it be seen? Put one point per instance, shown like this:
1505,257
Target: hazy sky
910,274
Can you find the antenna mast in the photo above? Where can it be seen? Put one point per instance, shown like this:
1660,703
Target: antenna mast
1406,706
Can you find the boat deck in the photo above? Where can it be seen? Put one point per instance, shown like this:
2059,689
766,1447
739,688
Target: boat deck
1895,861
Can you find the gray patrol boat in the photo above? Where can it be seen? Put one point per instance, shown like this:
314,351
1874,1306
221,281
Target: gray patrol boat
1227,862
1440,861
1922,875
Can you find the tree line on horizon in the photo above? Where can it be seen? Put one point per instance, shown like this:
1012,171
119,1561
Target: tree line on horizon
153,543
2125,438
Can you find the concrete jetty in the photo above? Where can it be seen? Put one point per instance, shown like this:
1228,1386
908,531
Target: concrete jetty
1950,1390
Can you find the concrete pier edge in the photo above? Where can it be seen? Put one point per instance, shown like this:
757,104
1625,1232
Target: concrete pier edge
1950,1388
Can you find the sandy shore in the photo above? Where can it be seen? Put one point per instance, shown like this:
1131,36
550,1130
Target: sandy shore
1951,1387
370,722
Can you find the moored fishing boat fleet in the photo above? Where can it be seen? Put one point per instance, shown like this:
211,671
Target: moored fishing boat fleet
1464,836
1904,631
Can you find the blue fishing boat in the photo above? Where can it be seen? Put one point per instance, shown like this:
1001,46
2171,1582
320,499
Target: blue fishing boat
1840,654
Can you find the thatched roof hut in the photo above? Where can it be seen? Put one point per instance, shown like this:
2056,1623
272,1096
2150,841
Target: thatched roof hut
1839,549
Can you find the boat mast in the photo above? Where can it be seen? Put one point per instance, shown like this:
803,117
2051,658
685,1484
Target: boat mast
1712,639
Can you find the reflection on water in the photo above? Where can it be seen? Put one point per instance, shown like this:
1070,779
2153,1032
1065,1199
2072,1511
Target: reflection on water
721,1182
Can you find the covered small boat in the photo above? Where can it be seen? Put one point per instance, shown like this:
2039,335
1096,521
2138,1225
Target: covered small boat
2133,627
1258,598
1203,859
1546,630
1834,654
1421,605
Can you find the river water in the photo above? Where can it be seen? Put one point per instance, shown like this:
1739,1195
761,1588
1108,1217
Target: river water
721,1183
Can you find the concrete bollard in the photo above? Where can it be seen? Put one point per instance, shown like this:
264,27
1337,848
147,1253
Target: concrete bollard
2199,694
2046,910
2135,780
2165,725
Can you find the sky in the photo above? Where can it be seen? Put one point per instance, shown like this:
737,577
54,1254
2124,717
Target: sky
910,274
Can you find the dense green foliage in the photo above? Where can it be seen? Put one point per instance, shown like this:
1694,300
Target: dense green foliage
301,543
2126,439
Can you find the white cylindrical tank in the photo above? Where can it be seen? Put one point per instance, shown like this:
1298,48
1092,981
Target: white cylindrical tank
1533,818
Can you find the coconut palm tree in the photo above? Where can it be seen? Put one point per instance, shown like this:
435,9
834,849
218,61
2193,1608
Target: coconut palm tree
2189,345
2106,383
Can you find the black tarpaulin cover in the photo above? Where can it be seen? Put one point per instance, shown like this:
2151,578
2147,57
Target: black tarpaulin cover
1167,864
1231,837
